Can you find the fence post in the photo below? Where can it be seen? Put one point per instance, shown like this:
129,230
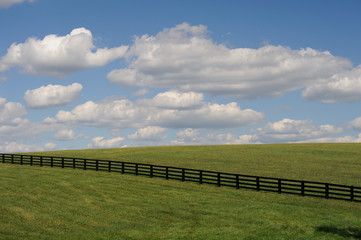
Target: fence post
200,177
31,160
183,174
109,166
351,193
151,171
21,159
3,158
41,161
12,159
136,169
237,181
73,162
326,190
84,164
279,186
96,165
219,179
62,162
166,173
258,187
302,188
123,167
51,161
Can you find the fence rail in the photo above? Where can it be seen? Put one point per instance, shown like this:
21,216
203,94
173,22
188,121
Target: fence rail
258,183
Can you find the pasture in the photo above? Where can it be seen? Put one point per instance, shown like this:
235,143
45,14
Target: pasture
55,203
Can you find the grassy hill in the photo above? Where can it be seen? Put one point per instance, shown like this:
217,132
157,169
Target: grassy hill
335,163
54,203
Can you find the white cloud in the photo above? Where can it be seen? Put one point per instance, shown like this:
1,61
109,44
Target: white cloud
16,132
284,131
15,147
189,135
26,130
209,115
150,133
49,146
109,113
66,135
59,56
52,95
8,3
178,100
141,92
184,57
11,112
13,125
356,139
102,142
228,138
344,139
195,137
288,130
122,113
355,124
340,87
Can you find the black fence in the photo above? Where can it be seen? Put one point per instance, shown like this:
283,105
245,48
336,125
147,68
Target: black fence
278,185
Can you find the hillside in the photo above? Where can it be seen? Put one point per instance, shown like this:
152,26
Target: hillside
335,163
55,203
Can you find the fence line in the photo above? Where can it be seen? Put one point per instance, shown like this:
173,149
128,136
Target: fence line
258,183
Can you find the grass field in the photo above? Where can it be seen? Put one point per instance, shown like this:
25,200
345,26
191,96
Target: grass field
55,203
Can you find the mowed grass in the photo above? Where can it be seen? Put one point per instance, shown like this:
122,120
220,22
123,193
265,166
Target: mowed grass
54,203
333,163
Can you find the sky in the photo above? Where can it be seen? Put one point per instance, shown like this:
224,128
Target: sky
107,74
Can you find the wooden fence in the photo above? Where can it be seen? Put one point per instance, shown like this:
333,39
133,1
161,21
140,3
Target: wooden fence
278,185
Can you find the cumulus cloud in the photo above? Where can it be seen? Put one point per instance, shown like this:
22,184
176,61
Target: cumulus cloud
210,115
195,137
344,139
178,100
355,124
11,112
16,131
150,133
15,147
109,113
288,130
189,135
65,135
356,139
342,87
102,142
122,113
8,3
13,125
184,57
50,146
52,95
141,92
59,56
284,131
229,138
24,129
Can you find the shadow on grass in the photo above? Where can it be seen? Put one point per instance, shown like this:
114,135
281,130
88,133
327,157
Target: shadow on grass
350,232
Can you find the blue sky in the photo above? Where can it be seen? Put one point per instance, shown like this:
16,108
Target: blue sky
99,74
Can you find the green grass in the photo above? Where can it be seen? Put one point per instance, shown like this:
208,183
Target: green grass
334,163
54,203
